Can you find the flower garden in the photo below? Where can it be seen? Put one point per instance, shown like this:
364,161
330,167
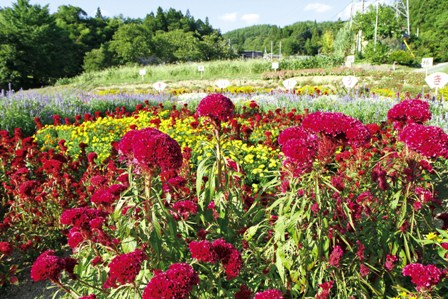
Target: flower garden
231,199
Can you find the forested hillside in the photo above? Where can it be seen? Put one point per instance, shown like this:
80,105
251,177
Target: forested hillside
302,38
429,38
37,47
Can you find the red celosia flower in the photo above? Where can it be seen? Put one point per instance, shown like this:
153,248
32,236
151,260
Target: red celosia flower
183,209
27,188
338,126
364,270
103,196
390,262
243,293
74,237
292,133
409,111
81,217
124,268
424,277
203,251
91,296
269,294
229,256
326,287
217,107
335,256
149,148
49,266
431,142
6,248
176,283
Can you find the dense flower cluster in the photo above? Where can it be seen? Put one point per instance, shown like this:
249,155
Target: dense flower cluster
81,217
409,111
124,268
431,142
243,293
326,288
269,294
149,149
175,283
335,256
6,248
337,126
424,277
87,225
50,266
217,107
183,209
300,147
219,250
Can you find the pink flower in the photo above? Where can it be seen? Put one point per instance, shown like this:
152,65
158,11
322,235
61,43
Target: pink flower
390,262
176,283
124,268
431,142
364,270
91,296
424,277
217,107
409,111
269,294
338,126
183,209
335,256
203,251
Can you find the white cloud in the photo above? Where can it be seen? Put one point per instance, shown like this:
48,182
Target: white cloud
250,18
229,17
318,7
357,7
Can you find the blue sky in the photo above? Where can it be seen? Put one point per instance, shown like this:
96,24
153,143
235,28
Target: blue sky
225,15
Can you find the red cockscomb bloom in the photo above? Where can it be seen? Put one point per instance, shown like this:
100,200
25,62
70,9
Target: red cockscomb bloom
203,251
81,217
409,111
431,142
326,288
176,283
183,209
243,293
50,266
269,294
217,107
424,277
338,126
149,148
124,268
229,256
6,248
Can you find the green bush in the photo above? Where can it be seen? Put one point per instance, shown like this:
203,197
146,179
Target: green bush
402,57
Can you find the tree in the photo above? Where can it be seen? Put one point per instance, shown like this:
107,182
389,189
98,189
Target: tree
131,43
33,50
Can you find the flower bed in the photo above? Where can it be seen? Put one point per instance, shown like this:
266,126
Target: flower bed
230,203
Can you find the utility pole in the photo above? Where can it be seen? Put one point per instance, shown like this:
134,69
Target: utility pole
351,13
403,8
376,25
360,32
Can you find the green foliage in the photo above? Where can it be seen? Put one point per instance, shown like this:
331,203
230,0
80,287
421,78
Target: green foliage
376,54
402,57
33,50
131,43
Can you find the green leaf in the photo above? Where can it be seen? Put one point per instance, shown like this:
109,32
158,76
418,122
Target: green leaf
128,244
250,232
